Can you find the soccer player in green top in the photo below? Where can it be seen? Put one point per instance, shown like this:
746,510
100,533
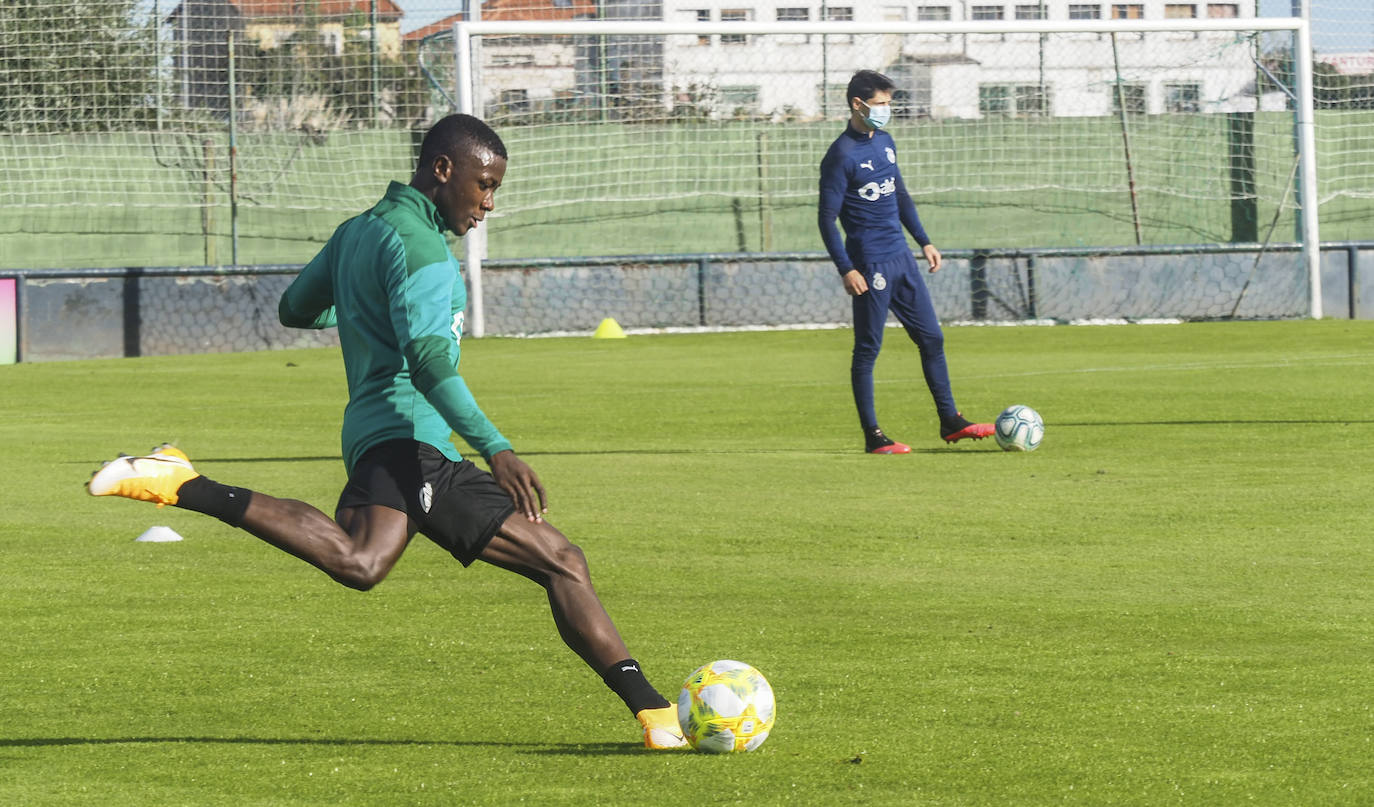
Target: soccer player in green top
387,280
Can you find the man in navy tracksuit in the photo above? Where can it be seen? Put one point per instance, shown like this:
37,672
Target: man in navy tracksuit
861,184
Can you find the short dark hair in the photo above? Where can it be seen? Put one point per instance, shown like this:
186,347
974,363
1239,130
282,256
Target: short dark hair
866,83
458,134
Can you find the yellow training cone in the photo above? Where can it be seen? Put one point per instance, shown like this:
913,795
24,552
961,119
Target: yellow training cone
609,329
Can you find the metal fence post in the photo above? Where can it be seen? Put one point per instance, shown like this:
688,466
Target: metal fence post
1352,279
20,309
133,313
702,264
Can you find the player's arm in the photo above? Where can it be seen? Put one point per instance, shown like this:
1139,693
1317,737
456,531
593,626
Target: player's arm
422,319
911,220
447,392
309,301
834,180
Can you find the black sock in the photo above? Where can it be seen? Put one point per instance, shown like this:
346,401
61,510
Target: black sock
627,680
228,504
874,438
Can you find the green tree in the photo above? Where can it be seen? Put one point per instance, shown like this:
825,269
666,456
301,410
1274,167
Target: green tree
304,66
75,65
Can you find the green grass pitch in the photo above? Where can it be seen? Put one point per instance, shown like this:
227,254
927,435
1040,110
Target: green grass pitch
1168,603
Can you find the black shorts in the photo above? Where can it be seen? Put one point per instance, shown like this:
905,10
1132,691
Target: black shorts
454,504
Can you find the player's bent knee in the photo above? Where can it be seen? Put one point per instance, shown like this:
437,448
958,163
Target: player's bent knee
568,562
359,572
356,580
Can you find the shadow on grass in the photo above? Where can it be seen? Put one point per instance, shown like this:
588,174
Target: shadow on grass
611,452
1218,422
1319,423
558,749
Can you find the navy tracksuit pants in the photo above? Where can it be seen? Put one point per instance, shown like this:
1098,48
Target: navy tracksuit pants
897,285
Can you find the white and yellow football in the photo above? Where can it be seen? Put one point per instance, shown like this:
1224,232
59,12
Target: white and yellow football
726,706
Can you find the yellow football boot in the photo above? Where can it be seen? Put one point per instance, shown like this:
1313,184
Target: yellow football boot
154,478
169,450
660,728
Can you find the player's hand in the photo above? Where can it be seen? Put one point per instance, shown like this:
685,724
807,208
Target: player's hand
932,257
520,481
854,283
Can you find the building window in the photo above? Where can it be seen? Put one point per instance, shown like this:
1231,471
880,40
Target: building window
1081,11
1182,97
840,14
1036,12
1223,10
794,14
1031,100
514,101
986,13
696,15
1129,11
932,14
992,100
1180,11
1133,93
741,100
735,15
1006,100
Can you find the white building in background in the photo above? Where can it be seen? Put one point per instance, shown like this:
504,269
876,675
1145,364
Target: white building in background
963,75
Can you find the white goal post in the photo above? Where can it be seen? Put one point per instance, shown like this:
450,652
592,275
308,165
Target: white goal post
468,78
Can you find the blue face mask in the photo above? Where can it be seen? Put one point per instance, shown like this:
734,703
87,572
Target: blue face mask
878,115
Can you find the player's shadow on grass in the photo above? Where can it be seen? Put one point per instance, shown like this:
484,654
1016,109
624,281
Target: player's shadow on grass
333,458
1222,421
93,463
560,749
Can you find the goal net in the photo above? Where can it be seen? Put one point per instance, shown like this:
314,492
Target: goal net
711,141
674,138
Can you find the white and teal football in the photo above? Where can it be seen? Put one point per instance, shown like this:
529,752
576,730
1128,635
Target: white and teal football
1019,428
726,706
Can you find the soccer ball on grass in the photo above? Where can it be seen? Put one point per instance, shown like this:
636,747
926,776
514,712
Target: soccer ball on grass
1019,428
725,706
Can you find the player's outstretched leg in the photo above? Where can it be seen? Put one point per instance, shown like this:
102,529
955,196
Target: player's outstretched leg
357,551
362,546
540,552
